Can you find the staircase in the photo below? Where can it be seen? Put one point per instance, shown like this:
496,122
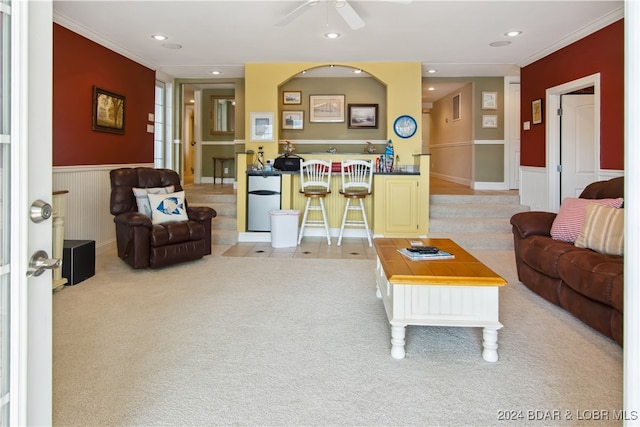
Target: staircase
474,221
223,226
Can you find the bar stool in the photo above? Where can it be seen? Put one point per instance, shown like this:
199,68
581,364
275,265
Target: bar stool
315,184
356,185
222,160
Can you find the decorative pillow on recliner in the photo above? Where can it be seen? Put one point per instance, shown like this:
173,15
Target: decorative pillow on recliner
570,219
142,198
167,207
603,230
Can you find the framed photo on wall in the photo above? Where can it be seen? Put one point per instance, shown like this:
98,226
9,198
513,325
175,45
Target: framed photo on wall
326,108
293,120
292,97
489,100
489,121
261,127
456,107
536,109
108,111
362,116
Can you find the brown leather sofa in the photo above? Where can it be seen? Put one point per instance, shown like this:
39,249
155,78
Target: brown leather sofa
586,283
143,244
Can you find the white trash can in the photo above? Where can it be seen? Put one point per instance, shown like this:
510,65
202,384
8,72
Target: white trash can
284,228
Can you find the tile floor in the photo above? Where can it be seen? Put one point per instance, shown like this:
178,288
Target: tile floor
310,247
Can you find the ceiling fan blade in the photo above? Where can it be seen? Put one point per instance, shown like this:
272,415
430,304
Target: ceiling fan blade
298,11
350,16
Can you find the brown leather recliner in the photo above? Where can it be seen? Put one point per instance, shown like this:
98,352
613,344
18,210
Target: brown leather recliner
143,244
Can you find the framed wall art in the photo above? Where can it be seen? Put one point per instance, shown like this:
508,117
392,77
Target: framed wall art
362,116
489,100
108,111
455,101
326,108
489,121
536,109
293,120
292,97
262,126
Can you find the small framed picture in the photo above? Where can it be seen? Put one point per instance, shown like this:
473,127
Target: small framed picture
489,100
262,127
455,101
108,111
536,111
293,120
292,97
362,116
489,121
326,108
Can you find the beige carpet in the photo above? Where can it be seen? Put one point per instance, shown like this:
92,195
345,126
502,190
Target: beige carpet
271,341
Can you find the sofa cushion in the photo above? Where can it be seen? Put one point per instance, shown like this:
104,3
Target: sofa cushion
167,207
596,276
170,233
603,230
142,197
542,253
568,223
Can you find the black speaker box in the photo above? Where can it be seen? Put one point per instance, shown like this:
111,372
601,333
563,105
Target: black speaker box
78,260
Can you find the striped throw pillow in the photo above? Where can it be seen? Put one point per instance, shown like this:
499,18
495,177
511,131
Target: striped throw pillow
603,230
568,223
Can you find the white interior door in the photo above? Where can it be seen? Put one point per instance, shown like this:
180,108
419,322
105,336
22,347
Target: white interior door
578,150
25,147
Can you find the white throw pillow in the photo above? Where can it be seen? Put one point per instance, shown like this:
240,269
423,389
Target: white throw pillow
142,199
167,207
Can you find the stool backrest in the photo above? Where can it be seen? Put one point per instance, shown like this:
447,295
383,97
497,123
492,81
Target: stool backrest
315,174
357,174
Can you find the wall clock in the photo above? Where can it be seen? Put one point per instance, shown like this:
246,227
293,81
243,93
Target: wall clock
405,126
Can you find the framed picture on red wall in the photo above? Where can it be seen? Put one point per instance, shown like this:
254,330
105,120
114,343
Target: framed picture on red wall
108,111
536,111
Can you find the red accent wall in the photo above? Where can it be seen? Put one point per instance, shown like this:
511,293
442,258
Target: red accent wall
601,52
78,65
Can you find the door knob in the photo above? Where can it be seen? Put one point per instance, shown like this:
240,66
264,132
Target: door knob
40,262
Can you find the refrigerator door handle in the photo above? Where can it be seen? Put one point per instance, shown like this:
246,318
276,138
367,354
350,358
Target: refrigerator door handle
264,192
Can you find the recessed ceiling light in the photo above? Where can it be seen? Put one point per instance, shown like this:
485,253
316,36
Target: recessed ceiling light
159,37
500,43
431,71
216,72
514,33
357,71
431,88
332,35
172,46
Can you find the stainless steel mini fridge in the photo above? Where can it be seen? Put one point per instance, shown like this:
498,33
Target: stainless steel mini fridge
263,195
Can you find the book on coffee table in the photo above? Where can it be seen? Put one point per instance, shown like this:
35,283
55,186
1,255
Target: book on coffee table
425,255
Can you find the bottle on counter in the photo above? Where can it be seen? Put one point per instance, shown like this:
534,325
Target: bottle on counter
388,157
377,164
268,167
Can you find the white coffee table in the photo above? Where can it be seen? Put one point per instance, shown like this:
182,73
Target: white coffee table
460,292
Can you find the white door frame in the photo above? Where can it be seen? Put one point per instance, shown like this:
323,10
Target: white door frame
31,179
553,131
512,161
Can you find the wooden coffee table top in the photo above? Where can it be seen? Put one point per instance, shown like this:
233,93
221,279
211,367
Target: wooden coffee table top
463,270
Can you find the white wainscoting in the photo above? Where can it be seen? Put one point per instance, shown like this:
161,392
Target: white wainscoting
88,216
534,188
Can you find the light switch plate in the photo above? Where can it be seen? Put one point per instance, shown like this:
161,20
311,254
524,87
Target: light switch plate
149,128
526,125
152,117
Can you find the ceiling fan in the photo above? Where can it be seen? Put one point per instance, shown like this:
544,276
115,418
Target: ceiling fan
343,8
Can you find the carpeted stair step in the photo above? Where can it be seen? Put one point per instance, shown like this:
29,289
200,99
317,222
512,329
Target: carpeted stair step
474,221
224,237
223,226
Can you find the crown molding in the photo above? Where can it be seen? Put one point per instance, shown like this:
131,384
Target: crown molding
596,25
85,32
